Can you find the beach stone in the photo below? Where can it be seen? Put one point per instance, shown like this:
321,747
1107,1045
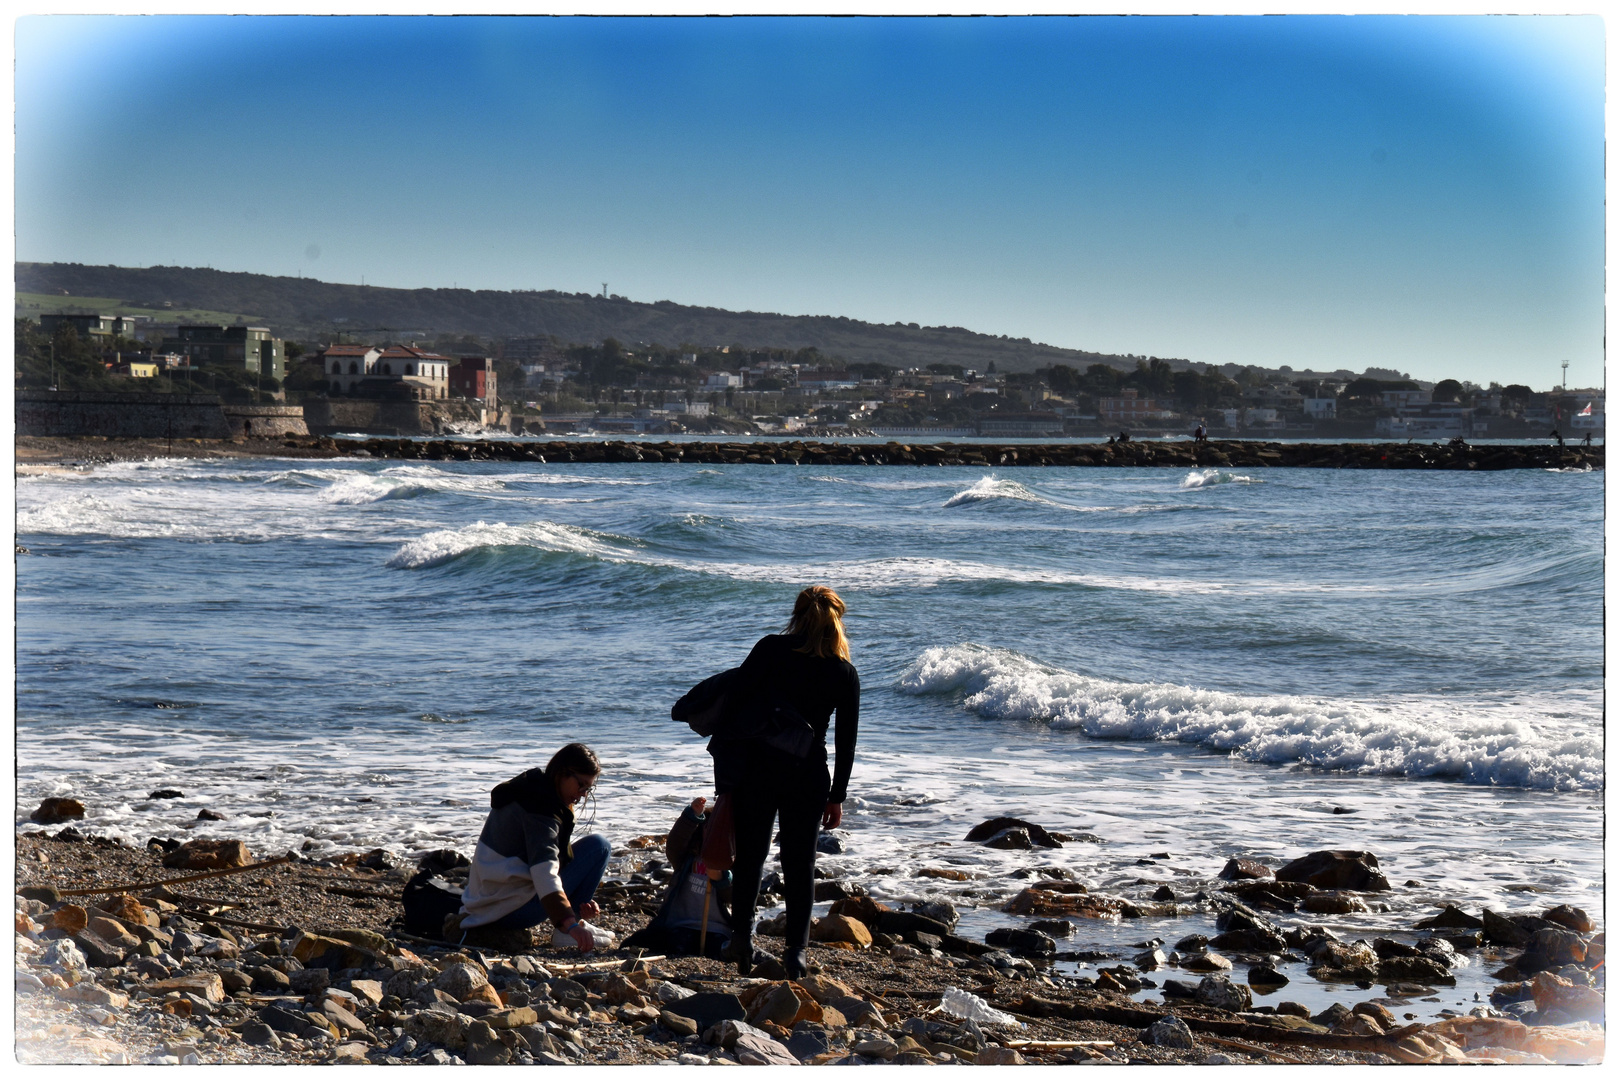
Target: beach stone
1245,870
861,908
460,980
1572,918
707,1009
1333,903
1257,940
448,1030
69,918
1171,1032
166,793
1502,930
1016,939
998,1055
807,1041
1265,978
1056,928
113,932
1206,961
680,1025
1356,870
1164,894
1011,840
1151,960
841,928
824,989
342,1017
208,855
56,811
757,1048
129,910
876,1045
97,950
1035,834
484,1047
1451,917
1551,949
941,911
1219,992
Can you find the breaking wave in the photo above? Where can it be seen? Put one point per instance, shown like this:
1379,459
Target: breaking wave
989,488
1475,742
1202,478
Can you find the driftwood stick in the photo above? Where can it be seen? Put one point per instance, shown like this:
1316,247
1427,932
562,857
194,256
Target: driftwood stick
263,928
142,885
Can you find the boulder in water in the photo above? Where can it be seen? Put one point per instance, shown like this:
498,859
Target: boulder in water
987,830
1337,870
1245,870
56,811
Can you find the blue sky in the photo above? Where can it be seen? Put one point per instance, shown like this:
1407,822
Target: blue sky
1418,193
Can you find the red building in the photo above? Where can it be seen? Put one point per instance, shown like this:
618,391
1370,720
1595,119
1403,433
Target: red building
474,377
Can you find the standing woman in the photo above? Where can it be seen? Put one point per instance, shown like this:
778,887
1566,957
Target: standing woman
771,758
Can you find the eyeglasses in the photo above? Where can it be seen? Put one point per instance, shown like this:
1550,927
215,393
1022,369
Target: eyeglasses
583,784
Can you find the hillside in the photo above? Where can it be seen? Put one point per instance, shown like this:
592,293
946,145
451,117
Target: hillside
308,310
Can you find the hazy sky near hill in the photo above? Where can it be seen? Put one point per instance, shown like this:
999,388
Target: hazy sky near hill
1424,194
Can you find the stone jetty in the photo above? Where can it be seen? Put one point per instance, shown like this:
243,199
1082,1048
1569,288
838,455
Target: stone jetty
1214,454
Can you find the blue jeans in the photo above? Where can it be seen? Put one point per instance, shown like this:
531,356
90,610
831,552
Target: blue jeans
580,878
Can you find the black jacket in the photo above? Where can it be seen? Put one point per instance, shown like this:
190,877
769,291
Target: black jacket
779,706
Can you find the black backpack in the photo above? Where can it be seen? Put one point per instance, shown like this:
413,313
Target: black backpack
428,897
710,708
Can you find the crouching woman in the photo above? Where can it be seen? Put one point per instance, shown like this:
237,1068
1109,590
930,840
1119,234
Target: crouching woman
528,869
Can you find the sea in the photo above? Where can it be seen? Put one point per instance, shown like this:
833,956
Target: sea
1174,666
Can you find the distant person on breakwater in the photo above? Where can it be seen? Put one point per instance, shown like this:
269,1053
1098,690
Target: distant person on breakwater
526,869
771,759
1586,440
1200,434
1124,436
1556,434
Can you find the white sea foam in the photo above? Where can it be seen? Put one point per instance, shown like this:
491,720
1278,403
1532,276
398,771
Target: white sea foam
1477,742
989,488
1202,478
409,482
442,545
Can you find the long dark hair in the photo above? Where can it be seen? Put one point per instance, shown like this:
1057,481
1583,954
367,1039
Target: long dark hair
575,759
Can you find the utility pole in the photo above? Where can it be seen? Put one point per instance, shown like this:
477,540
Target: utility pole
53,365
1566,374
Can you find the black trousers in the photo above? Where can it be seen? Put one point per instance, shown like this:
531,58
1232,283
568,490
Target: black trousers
799,797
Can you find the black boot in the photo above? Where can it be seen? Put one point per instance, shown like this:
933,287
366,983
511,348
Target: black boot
741,950
793,964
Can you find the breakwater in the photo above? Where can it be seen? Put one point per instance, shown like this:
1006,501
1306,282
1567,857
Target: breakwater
72,414
1214,454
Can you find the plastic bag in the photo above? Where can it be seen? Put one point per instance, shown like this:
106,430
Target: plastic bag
966,1006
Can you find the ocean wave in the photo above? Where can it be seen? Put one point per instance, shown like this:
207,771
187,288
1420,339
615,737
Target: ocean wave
1202,478
990,488
443,545
409,482
1478,743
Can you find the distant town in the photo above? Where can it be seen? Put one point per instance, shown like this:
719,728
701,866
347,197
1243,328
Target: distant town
544,384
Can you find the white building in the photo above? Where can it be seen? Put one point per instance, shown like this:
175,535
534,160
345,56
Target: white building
722,380
1325,408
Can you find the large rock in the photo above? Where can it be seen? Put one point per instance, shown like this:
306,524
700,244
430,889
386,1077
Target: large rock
460,980
1551,949
783,1004
1502,930
448,1030
1245,870
1256,940
207,986
1416,969
1451,917
1356,870
863,908
987,830
69,918
841,928
98,950
56,811
1018,940
708,1009
208,855
1572,918
1219,992
1554,992
1170,1032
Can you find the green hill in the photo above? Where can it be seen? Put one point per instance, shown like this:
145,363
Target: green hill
307,310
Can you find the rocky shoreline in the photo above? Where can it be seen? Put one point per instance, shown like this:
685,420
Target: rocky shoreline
300,961
1218,453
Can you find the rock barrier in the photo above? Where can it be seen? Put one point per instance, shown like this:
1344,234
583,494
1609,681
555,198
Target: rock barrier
1215,454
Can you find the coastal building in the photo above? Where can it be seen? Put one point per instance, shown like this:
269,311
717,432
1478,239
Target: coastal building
137,369
1321,408
1431,420
399,371
92,328
250,348
722,380
1397,399
822,381
474,377
688,408
1130,407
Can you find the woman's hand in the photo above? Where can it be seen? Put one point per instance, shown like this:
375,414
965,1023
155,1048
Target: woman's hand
699,804
832,815
590,909
582,937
